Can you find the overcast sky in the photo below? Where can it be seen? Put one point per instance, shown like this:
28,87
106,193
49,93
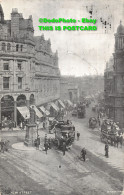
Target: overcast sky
80,52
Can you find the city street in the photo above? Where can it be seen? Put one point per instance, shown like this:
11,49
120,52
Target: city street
61,97
39,174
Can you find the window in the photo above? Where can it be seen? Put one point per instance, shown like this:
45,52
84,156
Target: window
8,46
3,46
21,47
17,47
6,66
19,66
19,82
5,82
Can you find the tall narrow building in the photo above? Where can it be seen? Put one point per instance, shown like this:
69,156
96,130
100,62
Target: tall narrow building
117,96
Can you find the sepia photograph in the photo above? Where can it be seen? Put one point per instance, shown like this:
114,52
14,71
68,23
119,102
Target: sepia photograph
61,97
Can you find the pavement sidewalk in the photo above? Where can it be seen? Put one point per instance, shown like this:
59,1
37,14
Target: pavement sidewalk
96,147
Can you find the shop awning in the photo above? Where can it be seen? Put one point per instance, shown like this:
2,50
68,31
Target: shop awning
69,102
61,103
24,111
54,107
38,113
44,110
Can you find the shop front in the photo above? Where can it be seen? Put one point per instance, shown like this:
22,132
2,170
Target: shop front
7,111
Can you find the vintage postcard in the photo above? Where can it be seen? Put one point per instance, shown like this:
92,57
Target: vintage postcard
61,97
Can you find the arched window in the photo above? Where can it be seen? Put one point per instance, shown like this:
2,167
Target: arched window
8,46
17,47
3,46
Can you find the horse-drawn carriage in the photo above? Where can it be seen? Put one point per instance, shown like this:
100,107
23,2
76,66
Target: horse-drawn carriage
81,110
64,133
92,122
108,136
111,135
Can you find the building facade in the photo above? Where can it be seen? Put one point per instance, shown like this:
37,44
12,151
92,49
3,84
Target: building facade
117,94
29,72
69,89
108,87
77,88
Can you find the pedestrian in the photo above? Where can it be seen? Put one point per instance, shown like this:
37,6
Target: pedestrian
10,126
23,125
64,148
78,136
6,145
83,154
45,139
2,146
49,143
106,150
44,125
121,139
46,147
99,122
118,139
38,141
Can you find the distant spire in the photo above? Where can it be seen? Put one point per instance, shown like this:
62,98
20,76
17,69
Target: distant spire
120,22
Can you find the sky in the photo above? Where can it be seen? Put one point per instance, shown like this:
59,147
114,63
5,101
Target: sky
80,52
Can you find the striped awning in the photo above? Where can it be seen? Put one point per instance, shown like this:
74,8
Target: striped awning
69,102
54,107
44,110
38,113
61,103
24,111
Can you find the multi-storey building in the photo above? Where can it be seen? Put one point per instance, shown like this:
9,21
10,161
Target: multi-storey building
76,88
108,86
29,70
117,94
69,89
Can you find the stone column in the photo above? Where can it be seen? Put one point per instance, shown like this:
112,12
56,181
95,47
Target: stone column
15,113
